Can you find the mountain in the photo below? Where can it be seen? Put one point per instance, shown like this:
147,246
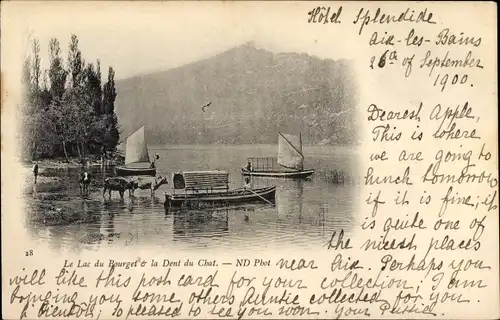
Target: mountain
253,93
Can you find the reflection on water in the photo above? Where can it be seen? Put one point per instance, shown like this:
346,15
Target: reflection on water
305,214
204,223
289,199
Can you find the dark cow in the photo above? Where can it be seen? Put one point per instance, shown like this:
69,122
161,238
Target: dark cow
117,184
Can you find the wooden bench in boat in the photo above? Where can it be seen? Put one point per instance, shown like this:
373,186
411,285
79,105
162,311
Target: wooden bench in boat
201,181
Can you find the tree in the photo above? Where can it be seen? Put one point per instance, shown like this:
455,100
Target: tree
31,101
75,63
36,64
66,120
109,93
94,86
80,115
57,78
109,96
26,86
57,74
27,134
93,92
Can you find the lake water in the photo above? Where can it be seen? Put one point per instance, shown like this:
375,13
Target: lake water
306,211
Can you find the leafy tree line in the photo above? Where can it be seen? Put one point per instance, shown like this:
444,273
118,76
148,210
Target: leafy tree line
67,110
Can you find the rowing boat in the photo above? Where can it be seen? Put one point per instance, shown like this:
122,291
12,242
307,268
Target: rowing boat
228,197
125,172
212,187
279,174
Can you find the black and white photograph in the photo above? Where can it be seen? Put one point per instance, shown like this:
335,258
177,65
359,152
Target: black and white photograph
244,142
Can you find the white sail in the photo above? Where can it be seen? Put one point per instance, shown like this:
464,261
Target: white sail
137,149
290,151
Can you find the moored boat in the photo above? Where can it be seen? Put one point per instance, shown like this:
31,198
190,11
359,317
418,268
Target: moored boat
137,162
279,174
290,158
124,171
212,187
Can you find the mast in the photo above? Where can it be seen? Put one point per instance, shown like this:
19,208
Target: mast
300,139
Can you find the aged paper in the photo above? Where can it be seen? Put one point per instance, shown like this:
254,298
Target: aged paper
249,160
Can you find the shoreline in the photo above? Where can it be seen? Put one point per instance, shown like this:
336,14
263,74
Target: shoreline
74,162
45,165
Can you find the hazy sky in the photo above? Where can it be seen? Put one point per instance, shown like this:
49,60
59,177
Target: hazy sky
138,38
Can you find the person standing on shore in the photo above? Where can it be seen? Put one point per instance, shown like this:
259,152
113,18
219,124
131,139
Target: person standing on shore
103,157
35,170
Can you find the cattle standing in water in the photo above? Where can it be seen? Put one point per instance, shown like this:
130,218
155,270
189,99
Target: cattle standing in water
84,183
152,185
118,184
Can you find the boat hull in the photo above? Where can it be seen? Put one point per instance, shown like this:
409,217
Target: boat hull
124,171
279,174
222,198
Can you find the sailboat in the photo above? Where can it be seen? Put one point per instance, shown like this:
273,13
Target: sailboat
137,161
290,158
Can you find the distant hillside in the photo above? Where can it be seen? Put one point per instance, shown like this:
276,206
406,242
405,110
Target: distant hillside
253,93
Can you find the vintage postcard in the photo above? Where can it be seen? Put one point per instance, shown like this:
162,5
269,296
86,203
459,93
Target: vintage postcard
249,160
